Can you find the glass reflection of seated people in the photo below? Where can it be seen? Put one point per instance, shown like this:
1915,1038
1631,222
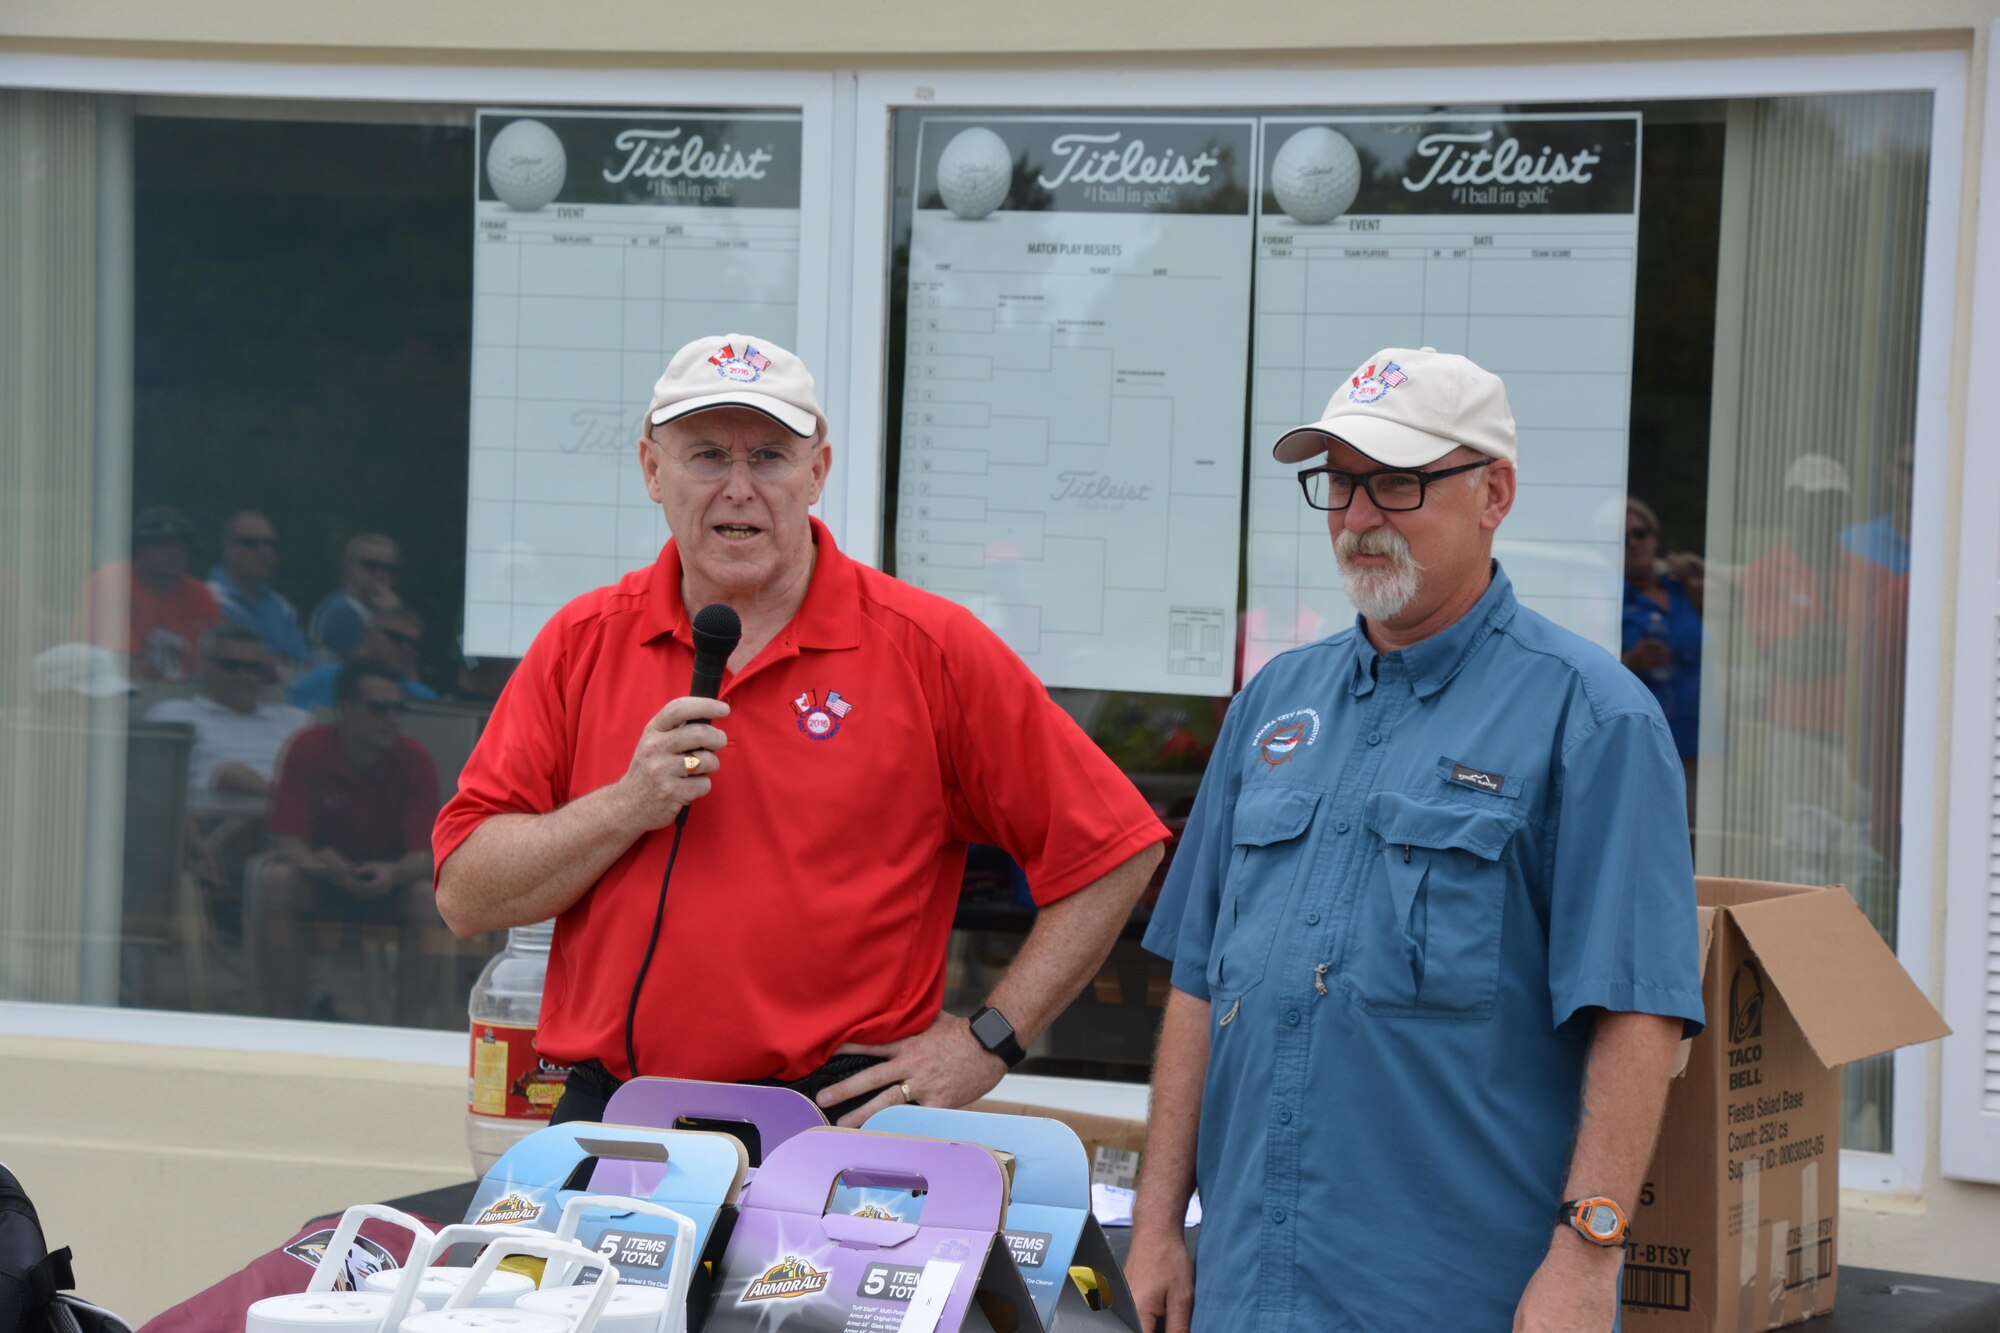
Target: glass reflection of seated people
241,586
1660,640
369,571
393,637
237,736
149,607
351,823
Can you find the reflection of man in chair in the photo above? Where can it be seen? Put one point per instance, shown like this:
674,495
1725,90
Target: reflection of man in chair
393,638
236,736
351,820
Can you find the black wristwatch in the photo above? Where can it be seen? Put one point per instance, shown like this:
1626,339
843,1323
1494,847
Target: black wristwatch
991,1030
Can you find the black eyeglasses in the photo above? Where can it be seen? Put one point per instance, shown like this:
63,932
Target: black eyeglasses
400,639
384,707
1637,534
257,543
241,666
380,566
1390,491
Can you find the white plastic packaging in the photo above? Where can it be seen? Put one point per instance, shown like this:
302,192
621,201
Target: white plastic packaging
321,1309
459,1313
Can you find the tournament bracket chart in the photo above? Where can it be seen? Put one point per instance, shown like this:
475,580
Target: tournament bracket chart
1074,392
1512,240
603,241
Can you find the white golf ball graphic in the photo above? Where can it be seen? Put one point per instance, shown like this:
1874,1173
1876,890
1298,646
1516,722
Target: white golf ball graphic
525,165
974,173
1316,175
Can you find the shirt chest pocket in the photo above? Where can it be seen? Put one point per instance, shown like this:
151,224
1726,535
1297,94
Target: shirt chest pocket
1268,855
1426,938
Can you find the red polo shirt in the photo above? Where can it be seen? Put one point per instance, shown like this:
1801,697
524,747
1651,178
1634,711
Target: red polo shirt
378,813
874,738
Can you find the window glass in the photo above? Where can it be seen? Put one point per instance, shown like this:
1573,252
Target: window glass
1712,370
297,299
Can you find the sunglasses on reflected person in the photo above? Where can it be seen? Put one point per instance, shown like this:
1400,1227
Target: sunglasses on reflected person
1637,534
380,566
384,707
240,666
400,639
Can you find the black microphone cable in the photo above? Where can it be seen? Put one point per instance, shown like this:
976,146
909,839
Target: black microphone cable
717,631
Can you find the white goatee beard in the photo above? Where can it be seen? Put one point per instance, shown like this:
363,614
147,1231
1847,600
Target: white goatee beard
1378,594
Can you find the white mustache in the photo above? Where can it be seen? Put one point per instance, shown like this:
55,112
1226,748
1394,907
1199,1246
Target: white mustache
1376,541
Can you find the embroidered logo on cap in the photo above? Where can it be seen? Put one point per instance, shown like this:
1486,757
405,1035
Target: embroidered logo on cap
821,721
1370,384
744,368
1280,738
1472,777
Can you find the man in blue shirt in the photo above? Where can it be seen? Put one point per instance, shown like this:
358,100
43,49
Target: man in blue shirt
1432,926
392,638
241,585
368,575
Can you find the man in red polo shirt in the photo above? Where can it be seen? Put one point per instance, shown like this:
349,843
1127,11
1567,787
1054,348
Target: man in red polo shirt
866,732
351,819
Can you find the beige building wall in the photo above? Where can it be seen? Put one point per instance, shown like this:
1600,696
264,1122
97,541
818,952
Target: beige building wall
167,1167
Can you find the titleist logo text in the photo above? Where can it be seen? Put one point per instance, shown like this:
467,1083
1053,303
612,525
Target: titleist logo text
1084,162
655,155
1454,160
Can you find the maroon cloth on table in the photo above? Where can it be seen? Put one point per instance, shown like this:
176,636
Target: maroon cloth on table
376,814
288,1268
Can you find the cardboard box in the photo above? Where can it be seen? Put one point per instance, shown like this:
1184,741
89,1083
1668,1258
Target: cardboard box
1737,1226
1114,1145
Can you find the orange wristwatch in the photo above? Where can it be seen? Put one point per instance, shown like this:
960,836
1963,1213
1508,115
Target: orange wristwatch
1597,1219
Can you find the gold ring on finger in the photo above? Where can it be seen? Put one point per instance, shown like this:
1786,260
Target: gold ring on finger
692,762
908,1100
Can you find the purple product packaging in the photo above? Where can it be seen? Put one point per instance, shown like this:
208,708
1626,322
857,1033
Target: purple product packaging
1053,1236
762,1117
792,1265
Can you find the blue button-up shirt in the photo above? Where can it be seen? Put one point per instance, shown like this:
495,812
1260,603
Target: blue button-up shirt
1408,882
264,611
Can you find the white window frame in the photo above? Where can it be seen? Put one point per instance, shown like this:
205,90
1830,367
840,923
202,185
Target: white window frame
1941,74
845,214
1968,1145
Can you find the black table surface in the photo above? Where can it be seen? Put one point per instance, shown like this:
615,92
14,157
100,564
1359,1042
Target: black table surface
1870,1300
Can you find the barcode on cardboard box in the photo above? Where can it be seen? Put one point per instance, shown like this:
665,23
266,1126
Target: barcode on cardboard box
1656,1288
1115,1166
1795,1274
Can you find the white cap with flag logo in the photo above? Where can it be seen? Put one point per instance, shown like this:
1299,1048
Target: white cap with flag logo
737,370
1406,408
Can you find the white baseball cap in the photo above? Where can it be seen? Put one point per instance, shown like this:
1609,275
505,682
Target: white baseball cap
737,370
1407,408
80,668
1816,473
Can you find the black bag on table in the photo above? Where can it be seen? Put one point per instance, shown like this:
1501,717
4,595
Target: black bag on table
33,1281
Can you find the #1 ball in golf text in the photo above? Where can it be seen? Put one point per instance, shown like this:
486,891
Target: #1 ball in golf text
525,165
1316,175
974,173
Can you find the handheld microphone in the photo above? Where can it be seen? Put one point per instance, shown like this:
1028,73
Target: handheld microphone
717,630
